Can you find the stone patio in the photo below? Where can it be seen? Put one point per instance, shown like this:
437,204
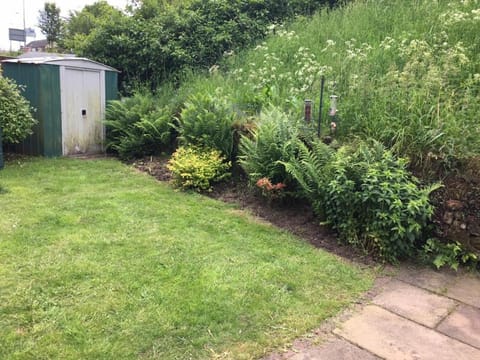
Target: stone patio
417,313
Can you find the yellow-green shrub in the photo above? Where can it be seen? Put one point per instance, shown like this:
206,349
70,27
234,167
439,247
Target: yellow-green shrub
198,168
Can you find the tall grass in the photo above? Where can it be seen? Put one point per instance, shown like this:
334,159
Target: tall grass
407,73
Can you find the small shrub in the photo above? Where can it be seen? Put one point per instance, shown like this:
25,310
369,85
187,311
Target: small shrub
207,121
269,190
198,168
272,141
137,127
450,254
16,118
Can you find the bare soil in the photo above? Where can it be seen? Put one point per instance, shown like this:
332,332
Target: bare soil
457,204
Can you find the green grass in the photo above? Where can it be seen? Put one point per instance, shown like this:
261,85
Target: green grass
98,261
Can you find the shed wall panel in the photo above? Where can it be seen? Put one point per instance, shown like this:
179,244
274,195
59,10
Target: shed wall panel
111,86
50,110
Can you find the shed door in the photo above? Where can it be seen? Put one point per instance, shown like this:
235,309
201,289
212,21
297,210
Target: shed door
82,110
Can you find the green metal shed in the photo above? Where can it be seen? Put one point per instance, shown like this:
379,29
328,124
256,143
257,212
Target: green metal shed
69,95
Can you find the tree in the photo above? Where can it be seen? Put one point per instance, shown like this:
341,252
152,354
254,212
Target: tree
50,23
80,24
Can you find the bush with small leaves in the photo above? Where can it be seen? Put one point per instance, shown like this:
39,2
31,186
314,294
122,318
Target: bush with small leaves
375,203
198,168
365,193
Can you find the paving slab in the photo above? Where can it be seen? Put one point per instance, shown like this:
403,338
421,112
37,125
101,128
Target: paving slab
463,324
414,303
392,337
336,349
466,289
436,281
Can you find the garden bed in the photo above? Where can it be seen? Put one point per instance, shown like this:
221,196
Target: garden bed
457,204
295,217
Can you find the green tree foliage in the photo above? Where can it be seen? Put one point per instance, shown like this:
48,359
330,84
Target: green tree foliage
15,112
80,24
159,40
50,23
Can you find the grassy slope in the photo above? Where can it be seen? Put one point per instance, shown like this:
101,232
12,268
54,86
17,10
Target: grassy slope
420,110
98,261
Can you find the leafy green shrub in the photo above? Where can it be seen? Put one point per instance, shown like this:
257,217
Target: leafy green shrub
16,118
447,254
137,127
198,168
275,139
374,202
366,194
207,121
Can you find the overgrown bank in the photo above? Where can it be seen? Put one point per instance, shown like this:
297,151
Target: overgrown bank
407,77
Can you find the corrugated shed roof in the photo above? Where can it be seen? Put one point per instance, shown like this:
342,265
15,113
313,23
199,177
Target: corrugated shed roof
62,61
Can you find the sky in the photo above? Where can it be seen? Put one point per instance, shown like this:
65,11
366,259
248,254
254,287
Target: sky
11,16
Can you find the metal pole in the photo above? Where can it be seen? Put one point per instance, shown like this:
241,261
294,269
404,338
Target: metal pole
320,108
24,31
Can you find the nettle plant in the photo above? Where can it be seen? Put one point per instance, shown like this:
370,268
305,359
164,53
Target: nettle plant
366,194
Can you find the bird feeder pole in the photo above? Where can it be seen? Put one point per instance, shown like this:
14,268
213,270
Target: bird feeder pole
320,108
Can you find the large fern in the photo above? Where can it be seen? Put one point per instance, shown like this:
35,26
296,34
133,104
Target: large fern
274,140
207,121
137,127
310,168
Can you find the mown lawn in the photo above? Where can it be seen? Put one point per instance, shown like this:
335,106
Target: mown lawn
98,261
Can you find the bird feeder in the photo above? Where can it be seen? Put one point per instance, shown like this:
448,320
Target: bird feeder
308,110
333,105
332,112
